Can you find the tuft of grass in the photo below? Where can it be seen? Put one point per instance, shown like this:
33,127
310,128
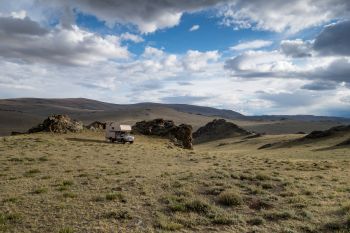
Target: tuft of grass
40,191
262,177
98,199
66,230
15,159
120,215
9,218
223,219
69,195
115,196
229,198
31,172
11,199
166,223
67,183
198,206
43,159
256,221
276,216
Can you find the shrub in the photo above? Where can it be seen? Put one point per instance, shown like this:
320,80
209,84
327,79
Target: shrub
197,206
230,198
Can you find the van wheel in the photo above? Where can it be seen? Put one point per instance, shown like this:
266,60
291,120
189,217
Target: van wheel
131,142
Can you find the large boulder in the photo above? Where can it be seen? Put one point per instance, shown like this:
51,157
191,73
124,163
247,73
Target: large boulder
181,135
218,129
57,124
96,125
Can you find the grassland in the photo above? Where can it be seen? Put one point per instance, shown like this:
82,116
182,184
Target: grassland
80,183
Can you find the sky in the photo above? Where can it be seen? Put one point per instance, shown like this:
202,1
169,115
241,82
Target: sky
255,57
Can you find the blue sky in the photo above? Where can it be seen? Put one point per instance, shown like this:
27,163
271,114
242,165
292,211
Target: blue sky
255,57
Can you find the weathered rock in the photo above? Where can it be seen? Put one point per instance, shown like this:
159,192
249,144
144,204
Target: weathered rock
58,124
218,129
97,125
181,135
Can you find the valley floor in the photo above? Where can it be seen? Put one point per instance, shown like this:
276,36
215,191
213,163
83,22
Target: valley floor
80,183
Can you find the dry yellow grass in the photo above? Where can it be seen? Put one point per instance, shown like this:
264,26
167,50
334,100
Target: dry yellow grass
80,183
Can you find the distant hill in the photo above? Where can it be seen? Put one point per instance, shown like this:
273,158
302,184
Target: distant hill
22,113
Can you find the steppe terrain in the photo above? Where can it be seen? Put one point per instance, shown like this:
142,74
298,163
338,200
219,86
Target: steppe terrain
23,113
66,183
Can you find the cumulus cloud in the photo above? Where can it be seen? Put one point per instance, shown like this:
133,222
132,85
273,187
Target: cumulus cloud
126,36
14,26
254,44
291,16
197,61
194,28
258,64
26,40
334,39
296,48
148,15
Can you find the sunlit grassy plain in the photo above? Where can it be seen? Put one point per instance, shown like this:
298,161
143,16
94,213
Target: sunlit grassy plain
80,183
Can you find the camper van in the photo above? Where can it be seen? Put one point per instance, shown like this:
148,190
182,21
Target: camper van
119,133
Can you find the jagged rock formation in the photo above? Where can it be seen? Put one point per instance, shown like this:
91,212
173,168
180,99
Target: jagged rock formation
218,129
58,124
181,135
96,125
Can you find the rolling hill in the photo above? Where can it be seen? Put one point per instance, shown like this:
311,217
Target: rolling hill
22,113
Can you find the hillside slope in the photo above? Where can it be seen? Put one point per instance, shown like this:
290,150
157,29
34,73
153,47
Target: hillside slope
23,113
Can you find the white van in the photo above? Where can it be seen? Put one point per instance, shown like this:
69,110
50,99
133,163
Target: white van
119,133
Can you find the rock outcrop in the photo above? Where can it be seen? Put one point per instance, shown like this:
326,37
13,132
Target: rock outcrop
218,129
58,124
96,125
181,135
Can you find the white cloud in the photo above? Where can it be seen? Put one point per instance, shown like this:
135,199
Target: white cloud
131,37
26,40
19,15
194,28
282,16
197,61
254,44
147,15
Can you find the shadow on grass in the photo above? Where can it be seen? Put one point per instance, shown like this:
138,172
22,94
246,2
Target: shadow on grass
331,148
87,140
